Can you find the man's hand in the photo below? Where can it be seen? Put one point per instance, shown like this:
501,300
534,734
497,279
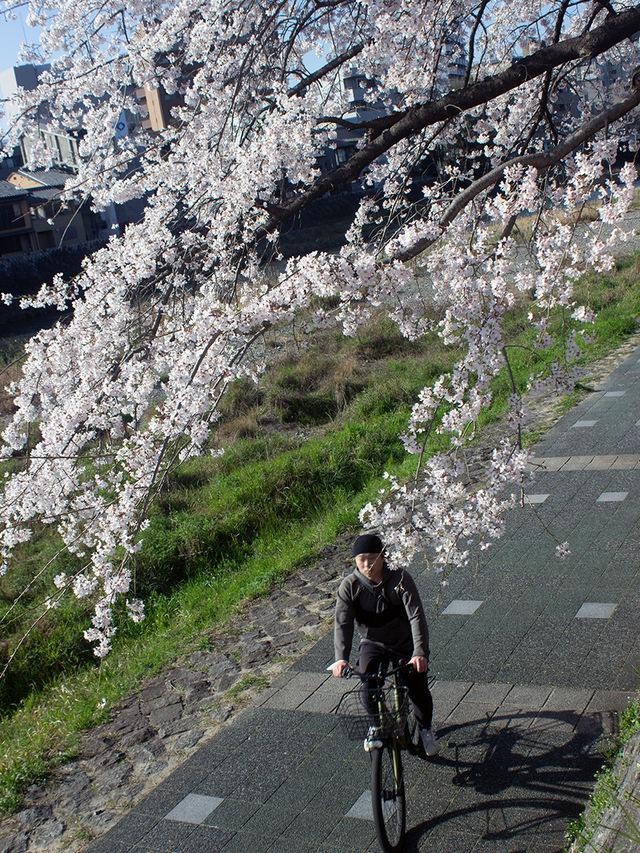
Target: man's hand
338,668
419,663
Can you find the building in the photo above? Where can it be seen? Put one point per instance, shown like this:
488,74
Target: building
34,218
16,230
62,146
55,222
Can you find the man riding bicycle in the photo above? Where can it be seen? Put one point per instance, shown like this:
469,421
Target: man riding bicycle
386,607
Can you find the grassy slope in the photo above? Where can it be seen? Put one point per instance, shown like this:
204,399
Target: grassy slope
228,529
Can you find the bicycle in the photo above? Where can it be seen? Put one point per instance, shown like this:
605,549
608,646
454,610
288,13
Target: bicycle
396,728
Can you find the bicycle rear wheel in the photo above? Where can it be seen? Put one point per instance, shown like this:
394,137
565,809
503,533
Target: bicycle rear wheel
387,794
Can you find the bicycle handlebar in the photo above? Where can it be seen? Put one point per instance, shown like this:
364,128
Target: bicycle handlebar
399,667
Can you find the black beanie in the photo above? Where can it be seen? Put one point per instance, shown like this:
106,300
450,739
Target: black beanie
369,543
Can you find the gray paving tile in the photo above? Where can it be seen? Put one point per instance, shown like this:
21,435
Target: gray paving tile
555,463
487,693
536,498
595,610
460,607
193,808
105,845
130,829
563,698
612,497
526,696
231,814
602,463
243,842
203,838
362,808
159,801
165,835
610,700
471,712
310,824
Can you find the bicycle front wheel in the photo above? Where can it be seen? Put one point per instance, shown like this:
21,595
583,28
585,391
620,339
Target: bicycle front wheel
387,794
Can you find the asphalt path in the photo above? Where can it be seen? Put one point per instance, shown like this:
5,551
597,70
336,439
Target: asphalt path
533,656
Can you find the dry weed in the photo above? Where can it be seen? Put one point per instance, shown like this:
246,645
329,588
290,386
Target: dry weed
8,374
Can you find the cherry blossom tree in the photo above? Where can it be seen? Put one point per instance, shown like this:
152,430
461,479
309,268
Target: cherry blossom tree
539,97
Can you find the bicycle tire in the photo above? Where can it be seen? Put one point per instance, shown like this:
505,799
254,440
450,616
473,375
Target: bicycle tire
387,796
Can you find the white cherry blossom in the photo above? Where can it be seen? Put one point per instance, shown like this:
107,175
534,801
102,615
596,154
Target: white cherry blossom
523,108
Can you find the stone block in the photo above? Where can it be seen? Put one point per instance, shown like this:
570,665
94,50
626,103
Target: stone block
319,703
180,676
568,699
175,727
466,713
137,736
152,691
576,463
15,843
555,463
601,463
166,714
112,778
255,653
531,698
610,700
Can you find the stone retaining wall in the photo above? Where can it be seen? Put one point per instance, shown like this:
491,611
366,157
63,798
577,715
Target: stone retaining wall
619,827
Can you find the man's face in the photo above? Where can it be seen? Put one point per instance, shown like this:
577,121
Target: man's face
370,565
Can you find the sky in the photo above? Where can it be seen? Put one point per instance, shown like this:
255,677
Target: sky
12,34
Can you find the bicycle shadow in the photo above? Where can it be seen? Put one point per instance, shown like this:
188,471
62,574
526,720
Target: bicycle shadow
510,782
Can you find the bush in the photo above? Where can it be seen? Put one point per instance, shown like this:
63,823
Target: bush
55,646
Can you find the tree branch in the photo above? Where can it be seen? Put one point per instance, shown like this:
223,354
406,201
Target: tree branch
398,126
540,161
326,69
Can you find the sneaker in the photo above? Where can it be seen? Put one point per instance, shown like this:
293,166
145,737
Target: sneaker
372,740
430,743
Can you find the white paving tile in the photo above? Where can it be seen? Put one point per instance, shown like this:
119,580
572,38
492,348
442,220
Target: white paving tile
536,499
461,607
194,808
611,497
583,424
595,610
362,807
615,393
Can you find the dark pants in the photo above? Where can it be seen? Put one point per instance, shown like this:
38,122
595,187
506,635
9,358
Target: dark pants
369,659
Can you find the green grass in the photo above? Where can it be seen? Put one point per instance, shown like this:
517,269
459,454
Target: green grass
227,529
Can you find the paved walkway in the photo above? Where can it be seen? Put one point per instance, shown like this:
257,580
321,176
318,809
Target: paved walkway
533,656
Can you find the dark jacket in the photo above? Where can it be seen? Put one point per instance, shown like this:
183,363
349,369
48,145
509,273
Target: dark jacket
389,614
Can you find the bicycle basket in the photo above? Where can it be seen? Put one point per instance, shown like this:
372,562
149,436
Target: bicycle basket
391,719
